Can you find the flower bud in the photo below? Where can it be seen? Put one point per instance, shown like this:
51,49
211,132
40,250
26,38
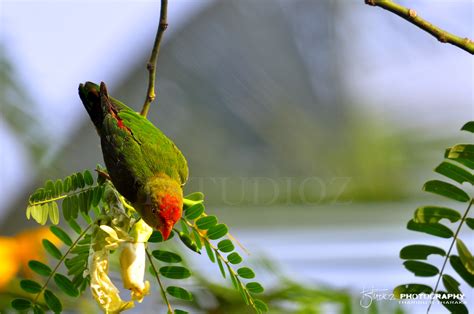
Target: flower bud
132,261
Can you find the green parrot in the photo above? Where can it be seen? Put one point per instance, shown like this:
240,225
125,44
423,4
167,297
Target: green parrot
144,165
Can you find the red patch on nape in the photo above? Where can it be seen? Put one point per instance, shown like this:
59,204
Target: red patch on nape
120,124
170,208
119,121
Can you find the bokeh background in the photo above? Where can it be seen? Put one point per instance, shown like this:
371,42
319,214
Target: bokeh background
310,125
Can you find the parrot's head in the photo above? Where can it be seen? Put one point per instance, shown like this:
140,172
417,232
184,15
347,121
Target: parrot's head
162,205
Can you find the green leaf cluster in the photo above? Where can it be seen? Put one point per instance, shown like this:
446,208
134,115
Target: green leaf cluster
458,172
76,195
199,230
76,192
72,284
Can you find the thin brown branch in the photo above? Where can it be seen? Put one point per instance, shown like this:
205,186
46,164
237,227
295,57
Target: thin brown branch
412,16
151,65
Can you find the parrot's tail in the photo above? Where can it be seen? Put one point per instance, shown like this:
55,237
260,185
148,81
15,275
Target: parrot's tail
91,98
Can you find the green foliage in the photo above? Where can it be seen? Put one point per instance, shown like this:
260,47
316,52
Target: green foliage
204,230
175,272
179,293
30,286
411,288
75,196
457,167
21,304
206,222
52,301
246,273
167,257
39,268
76,192
61,234
421,269
52,249
66,285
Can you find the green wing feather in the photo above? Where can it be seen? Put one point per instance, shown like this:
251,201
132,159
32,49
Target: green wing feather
135,151
159,152
143,142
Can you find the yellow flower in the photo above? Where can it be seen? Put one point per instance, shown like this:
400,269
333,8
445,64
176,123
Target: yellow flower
9,265
132,261
17,251
102,288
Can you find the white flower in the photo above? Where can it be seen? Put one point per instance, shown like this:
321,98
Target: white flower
132,261
132,268
102,288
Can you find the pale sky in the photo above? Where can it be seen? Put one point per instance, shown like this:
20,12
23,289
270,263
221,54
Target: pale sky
39,37
54,46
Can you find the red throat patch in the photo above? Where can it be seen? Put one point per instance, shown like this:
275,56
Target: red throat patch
170,212
170,209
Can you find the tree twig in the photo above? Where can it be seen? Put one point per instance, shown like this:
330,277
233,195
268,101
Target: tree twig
53,272
151,65
412,16
162,288
448,254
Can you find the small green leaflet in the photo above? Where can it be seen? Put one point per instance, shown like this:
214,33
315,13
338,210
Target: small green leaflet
411,289
61,235
39,268
30,286
52,301
455,172
234,258
207,222
21,304
166,256
156,236
453,307
259,304
225,246
421,269
196,196
52,249
469,126
209,251
179,293
221,267
446,189
175,272
246,273
217,231
433,214
435,229
420,251
451,284
465,256
254,287
66,285
194,211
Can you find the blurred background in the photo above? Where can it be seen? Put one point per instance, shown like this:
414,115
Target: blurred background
310,125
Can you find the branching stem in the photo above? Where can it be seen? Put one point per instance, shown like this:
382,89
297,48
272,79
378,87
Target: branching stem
448,254
227,263
83,233
57,198
151,65
162,289
412,16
